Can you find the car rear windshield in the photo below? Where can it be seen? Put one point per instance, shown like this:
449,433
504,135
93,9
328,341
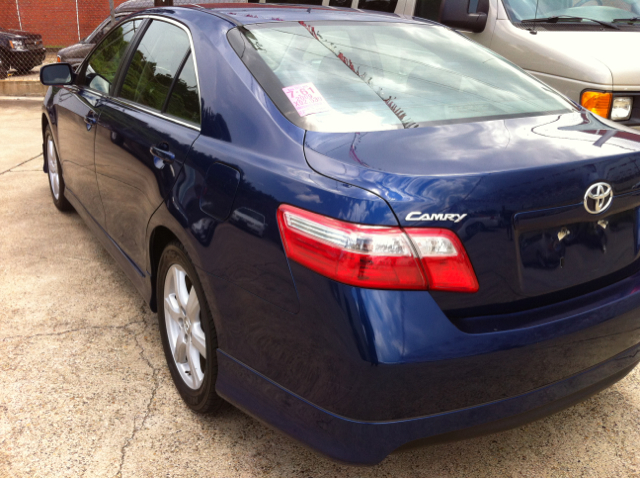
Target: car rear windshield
356,76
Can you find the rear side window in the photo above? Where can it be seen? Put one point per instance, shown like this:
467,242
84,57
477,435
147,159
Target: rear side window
429,9
184,102
103,64
155,64
297,2
354,76
378,5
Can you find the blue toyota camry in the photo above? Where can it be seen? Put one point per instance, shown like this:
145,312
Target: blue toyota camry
363,229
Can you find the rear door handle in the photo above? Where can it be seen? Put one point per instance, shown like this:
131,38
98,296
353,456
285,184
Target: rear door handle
90,120
162,153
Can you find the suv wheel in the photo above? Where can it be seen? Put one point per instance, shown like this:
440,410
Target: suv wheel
4,68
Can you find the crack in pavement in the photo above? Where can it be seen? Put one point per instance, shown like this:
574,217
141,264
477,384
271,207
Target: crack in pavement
142,354
20,164
147,414
60,333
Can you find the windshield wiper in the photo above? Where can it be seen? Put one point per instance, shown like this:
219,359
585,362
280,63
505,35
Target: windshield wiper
624,20
562,17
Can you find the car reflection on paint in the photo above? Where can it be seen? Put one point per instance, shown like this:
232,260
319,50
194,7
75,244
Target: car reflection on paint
542,251
249,220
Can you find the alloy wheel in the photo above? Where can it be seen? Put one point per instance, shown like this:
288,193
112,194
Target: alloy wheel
184,328
52,166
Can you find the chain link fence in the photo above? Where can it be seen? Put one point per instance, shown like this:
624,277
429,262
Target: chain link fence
35,32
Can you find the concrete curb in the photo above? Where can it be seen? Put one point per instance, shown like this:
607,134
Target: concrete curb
22,98
22,88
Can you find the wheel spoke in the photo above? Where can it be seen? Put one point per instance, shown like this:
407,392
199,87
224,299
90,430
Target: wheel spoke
181,351
193,306
172,309
180,287
193,369
198,340
50,155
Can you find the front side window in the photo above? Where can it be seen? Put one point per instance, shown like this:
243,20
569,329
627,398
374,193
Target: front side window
584,10
155,64
102,66
354,76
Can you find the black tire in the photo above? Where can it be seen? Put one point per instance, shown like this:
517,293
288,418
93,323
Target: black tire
60,201
204,399
4,68
24,71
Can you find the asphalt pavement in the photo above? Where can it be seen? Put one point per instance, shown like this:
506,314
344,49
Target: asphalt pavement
84,389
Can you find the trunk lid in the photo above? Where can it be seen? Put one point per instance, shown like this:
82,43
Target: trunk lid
513,191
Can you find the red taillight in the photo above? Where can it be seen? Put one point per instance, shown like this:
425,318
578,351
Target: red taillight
376,256
444,260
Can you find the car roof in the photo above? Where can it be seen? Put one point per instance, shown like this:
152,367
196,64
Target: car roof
137,5
252,13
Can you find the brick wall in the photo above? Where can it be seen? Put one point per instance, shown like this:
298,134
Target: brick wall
56,20
8,14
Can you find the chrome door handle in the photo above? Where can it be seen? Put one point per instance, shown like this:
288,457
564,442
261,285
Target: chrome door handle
163,154
90,120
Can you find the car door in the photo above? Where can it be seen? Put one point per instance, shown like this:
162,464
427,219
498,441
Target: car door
145,131
77,114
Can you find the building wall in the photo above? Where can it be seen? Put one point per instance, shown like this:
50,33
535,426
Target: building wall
8,14
56,20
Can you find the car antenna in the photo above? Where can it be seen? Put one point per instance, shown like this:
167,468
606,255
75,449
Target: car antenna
533,30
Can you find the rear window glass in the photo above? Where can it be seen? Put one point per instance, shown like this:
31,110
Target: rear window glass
348,76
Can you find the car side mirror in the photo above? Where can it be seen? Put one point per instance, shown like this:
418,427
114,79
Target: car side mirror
57,74
470,15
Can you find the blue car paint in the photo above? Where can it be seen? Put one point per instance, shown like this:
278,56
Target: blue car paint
357,373
550,171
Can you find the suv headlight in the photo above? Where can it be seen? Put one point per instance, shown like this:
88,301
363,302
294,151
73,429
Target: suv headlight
621,109
16,44
598,102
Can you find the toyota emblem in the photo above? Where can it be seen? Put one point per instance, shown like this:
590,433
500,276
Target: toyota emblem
598,198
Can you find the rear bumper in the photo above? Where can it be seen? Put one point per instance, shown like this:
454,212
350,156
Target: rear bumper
369,442
357,373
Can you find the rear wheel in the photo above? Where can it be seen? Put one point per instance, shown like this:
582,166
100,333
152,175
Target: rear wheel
56,182
187,330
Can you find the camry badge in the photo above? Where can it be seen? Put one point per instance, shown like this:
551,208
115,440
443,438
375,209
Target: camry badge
418,216
598,198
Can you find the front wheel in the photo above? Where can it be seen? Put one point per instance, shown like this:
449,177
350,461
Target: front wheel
56,182
4,68
187,330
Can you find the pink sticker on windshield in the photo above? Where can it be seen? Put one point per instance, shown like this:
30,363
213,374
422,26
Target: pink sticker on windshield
306,99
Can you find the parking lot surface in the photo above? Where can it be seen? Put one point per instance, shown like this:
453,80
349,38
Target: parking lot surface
84,389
